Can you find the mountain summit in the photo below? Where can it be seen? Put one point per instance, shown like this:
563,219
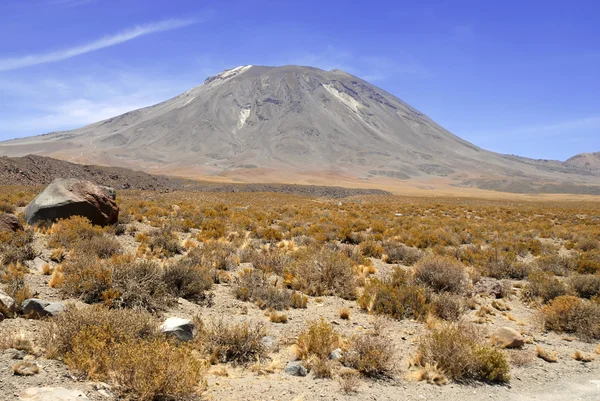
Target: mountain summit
293,121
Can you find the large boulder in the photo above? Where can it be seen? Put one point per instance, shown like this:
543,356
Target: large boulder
64,198
52,394
183,329
34,308
9,222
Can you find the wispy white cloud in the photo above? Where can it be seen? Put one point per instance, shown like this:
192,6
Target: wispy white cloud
38,106
7,64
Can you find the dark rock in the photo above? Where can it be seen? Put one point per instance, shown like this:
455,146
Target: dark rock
34,308
294,368
64,198
9,222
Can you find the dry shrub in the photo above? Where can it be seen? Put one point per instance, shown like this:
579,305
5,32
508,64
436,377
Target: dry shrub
7,208
118,282
395,252
569,314
349,380
371,249
215,255
18,341
15,247
271,260
323,272
585,285
345,313
370,355
448,306
66,233
187,280
277,317
546,355
543,285
60,332
459,349
318,340
581,357
400,301
15,286
25,368
442,274
123,347
57,279
165,242
429,373
239,343
102,247
253,285
556,264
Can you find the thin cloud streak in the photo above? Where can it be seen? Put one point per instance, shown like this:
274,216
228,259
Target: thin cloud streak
107,41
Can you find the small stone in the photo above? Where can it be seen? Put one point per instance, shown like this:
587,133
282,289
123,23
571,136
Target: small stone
294,368
15,353
507,337
336,354
183,329
270,343
52,394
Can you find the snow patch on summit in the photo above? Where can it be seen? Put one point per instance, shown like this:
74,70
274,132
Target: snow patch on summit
227,74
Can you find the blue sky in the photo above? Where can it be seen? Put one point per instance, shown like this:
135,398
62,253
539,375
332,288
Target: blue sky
519,77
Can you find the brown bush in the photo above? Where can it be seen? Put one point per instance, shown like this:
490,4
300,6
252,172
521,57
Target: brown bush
318,340
398,301
67,233
442,274
370,355
239,343
448,306
543,285
585,285
371,249
395,252
215,254
119,282
165,242
255,286
323,272
13,278
186,280
15,247
460,351
272,260
570,314
122,347
102,247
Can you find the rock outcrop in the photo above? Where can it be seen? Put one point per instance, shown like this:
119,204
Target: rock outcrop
64,198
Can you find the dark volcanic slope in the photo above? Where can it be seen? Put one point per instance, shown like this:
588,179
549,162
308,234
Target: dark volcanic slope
40,170
295,121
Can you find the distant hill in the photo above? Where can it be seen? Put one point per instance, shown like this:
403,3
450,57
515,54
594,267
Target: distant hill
586,160
291,123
